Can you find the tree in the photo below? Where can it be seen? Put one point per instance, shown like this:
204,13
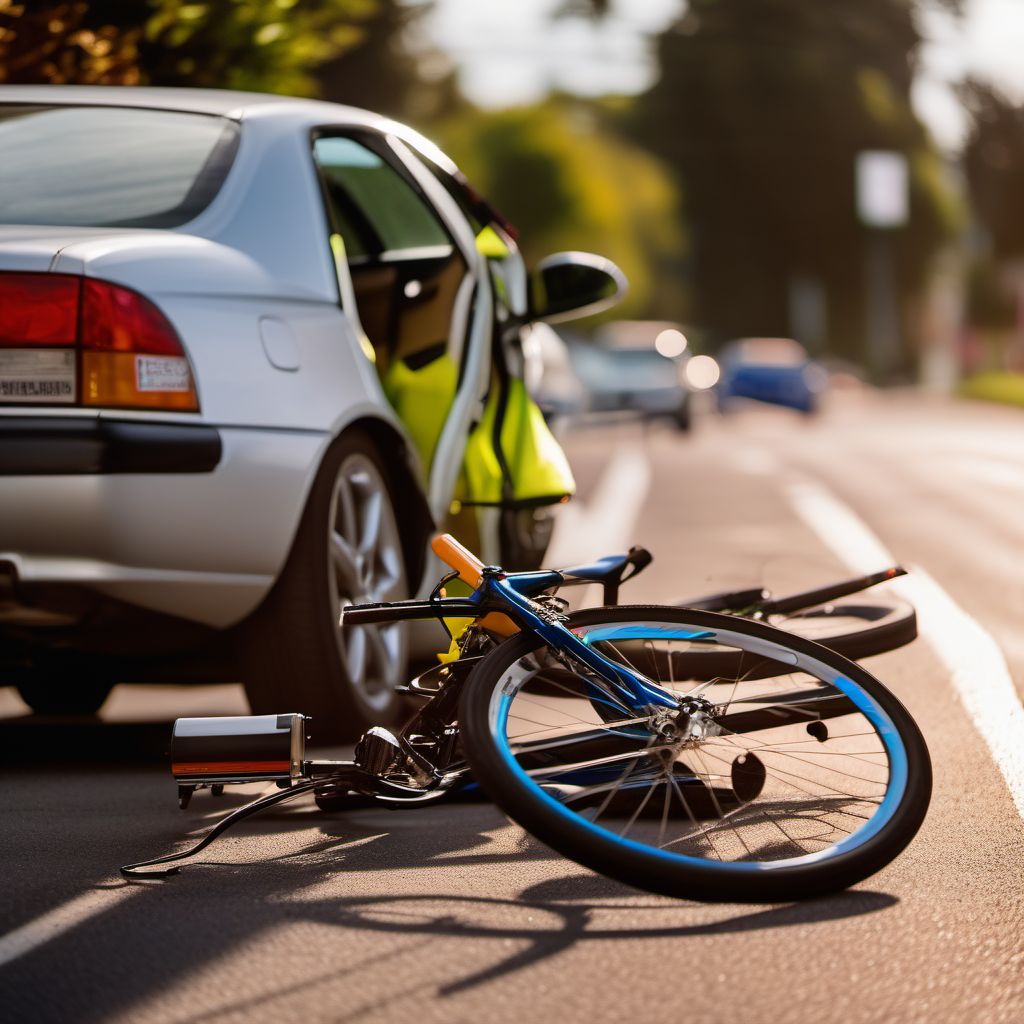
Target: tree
566,182
57,43
760,110
994,164
389,70
265,45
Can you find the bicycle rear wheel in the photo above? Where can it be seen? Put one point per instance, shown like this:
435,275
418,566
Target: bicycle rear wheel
856,627
795,775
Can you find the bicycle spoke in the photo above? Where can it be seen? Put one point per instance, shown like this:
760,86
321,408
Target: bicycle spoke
595,762
618,785
702,830
664,811
714,800
639,810
766,750
603,726
807,792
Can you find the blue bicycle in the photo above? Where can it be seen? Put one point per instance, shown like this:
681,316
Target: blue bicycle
683,751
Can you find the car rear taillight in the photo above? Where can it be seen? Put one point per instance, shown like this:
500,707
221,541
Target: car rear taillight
127,353
38,309
131,355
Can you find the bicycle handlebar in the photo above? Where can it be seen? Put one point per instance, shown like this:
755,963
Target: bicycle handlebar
822,595
459,558
762,601
399,611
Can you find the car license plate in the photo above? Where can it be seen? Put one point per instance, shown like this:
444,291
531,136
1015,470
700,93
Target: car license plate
37,375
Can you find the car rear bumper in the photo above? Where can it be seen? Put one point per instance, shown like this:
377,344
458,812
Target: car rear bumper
650,401
780,387
47,446
176,535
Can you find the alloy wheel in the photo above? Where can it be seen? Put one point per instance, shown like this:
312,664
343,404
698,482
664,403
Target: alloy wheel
365,565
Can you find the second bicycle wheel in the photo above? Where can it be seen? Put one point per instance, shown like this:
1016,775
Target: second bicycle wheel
795,775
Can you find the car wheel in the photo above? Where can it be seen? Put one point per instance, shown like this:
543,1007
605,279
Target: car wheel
294,653
683,419
63,691
524,535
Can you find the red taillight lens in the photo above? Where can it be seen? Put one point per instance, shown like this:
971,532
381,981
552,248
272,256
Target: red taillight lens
131,355
38,309
115,319
127,354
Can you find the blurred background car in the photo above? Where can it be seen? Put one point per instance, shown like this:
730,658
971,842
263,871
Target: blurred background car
246,343
636,366
550,374
777,371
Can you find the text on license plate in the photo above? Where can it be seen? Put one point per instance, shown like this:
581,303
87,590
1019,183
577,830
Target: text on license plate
40,376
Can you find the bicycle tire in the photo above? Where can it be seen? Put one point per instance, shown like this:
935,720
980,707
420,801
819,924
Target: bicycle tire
856,628
890,624
540,785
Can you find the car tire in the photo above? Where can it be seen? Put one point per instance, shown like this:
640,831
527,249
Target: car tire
683,419
294,655
524,536
58,690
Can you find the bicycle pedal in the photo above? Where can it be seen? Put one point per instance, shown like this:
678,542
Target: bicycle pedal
378,751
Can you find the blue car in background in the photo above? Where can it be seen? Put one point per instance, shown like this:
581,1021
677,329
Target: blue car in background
774,370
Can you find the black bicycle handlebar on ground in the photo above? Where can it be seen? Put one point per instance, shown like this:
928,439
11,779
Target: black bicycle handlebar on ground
822,595
399,611
761,600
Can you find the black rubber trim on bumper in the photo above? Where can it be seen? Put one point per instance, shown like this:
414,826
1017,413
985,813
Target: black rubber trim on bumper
55,446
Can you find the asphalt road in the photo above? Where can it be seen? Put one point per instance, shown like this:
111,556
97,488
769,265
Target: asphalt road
450,914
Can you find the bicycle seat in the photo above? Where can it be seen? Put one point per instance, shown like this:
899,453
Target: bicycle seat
611,571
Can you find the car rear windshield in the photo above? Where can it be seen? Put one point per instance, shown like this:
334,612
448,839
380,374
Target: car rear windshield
110,166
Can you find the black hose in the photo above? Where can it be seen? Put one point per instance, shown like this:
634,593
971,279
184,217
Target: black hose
131,871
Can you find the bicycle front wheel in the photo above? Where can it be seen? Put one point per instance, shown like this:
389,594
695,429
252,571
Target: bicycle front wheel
795,775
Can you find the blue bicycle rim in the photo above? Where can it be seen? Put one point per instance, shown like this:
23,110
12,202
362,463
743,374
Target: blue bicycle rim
895,787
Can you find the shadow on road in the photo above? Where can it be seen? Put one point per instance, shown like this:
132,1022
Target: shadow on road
36,740
298,865
152,942
576,920
576,925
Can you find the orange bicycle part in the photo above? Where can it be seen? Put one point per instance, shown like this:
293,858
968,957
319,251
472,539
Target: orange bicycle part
458,557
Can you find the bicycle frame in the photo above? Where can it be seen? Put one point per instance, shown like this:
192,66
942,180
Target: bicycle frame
510,594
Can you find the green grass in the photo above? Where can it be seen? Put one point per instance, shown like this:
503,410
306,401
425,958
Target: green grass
995,386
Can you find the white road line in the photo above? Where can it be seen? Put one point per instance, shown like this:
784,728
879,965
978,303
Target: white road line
997,472
975,662
754,461
604,523
61,919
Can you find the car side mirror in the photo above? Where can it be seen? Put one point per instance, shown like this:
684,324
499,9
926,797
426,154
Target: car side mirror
568,285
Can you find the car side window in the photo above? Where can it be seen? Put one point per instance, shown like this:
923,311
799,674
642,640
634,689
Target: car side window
397,215
405,268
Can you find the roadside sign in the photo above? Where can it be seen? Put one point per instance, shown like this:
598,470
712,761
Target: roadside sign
883,192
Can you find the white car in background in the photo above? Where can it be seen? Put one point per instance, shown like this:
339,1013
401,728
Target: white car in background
198,463
637,366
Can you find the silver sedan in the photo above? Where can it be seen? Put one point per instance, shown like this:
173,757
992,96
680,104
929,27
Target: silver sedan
243,342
